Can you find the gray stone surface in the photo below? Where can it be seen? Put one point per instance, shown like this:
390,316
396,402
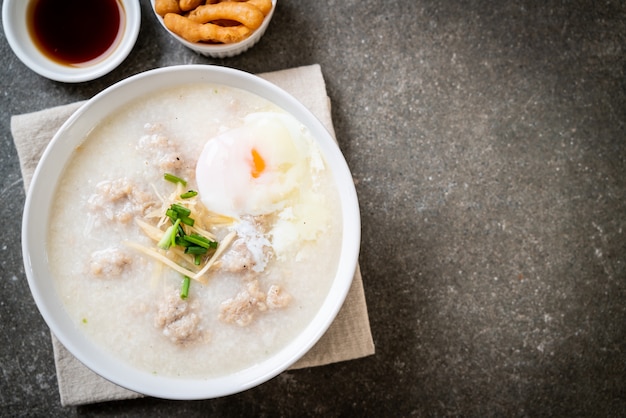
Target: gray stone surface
487,143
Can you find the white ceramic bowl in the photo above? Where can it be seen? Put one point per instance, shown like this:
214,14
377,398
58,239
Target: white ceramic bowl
222,50
14,20
38,208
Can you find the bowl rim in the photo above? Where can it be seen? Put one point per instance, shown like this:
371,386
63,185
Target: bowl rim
23,47
39,197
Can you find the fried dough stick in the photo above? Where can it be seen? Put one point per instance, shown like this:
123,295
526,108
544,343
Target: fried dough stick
163,7
186,5
263,5
204,32
244,13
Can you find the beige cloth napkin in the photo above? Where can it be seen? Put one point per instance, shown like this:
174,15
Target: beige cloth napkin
349,336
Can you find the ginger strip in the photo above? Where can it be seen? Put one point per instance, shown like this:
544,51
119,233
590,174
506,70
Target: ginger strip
163,259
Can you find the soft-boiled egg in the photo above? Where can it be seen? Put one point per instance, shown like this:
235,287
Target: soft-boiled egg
254,169
269,165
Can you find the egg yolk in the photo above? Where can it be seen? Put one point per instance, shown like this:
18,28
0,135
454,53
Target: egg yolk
258,164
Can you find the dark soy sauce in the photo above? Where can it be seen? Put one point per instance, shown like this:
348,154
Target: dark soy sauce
76,32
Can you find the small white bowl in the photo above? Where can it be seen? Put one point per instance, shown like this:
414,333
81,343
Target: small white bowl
39,205
14,19
222,50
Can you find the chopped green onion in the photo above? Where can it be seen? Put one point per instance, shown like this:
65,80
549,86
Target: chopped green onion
187,195
174,233
197,259
166,239
180,241
172,214
195,249
184,290
174,179
169,237
201,241
181,210
187,220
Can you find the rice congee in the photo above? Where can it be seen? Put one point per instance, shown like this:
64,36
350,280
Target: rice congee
195,231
